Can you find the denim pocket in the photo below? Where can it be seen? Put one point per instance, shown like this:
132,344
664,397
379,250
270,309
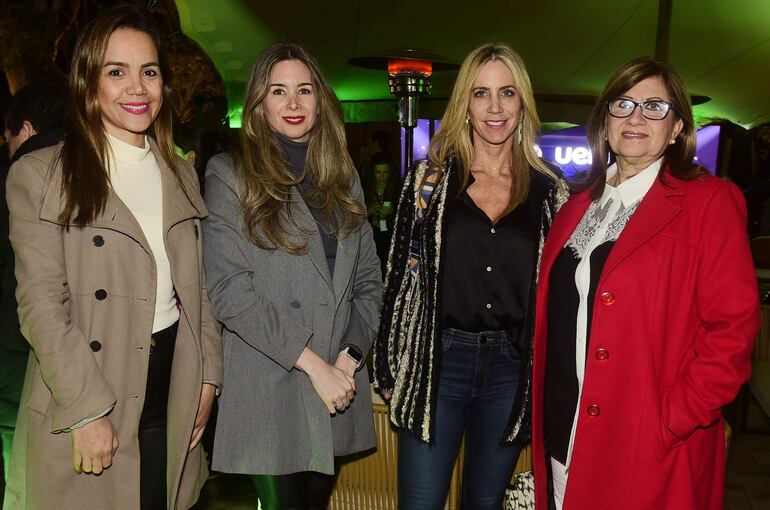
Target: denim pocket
446,341
509,351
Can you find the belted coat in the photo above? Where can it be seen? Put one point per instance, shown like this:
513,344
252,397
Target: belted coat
86,305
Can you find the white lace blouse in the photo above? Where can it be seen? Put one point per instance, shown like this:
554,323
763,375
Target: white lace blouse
602,222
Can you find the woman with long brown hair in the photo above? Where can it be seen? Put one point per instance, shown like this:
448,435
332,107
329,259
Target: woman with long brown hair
294,279
125,352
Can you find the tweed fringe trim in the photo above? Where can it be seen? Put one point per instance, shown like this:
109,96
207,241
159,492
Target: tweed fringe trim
519,429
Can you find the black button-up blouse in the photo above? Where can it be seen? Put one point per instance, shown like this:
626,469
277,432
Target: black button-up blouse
488,267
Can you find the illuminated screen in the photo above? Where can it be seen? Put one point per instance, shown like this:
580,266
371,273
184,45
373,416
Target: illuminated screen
421,139
568,148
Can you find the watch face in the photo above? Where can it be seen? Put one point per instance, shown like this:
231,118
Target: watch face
355,355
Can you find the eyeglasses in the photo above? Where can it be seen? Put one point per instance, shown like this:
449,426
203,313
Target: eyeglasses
654,109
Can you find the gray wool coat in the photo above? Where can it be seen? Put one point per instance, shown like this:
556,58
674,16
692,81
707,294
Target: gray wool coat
272,305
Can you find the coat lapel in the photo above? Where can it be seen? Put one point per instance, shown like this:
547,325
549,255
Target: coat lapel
654,212
562,227
178,205
347,254
308,232
116,215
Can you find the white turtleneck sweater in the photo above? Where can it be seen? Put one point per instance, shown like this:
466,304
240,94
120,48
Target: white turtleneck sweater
135,178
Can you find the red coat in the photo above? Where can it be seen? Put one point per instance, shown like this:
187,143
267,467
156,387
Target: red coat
678,321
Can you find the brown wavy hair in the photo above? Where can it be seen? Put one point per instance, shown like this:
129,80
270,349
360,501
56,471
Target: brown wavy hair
454,137
265,174
85,154
678,156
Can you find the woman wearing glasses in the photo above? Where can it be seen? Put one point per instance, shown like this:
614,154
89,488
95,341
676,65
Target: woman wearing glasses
646,312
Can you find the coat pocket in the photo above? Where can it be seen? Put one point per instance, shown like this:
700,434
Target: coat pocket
39,395
668,439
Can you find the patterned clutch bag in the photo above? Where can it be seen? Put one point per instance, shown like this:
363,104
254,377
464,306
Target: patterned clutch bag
521,494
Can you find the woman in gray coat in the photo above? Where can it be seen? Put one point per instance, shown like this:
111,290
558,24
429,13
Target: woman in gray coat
294,278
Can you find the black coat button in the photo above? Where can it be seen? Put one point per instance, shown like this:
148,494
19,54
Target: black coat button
482,339
295,304
98,241
100,294
95,345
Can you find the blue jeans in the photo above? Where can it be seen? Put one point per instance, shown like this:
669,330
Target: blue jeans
477,386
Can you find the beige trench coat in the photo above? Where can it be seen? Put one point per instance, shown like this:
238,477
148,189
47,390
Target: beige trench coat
91,353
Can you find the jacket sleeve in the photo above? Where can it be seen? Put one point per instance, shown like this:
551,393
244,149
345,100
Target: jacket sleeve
211,338
386,342
211,342
728,309
239,306
68,367
367,288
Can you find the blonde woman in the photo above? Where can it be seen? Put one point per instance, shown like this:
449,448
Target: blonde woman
454,345
294,278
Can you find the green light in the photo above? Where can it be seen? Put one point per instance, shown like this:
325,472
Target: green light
549,127
364,89
235,117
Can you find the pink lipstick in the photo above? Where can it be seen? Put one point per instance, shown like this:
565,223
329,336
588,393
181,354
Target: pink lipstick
136,108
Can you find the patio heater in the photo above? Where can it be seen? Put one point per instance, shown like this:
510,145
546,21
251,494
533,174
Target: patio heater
409,71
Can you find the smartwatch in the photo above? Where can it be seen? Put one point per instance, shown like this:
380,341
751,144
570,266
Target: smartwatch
352,352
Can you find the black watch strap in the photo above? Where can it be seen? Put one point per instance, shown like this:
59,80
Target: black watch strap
354,353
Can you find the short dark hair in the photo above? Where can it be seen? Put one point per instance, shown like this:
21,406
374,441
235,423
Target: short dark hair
42,105
381,158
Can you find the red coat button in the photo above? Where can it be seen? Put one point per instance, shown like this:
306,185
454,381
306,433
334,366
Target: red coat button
593,410
602,354
607,297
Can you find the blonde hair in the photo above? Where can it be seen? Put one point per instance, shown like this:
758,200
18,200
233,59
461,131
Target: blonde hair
455,138
267,178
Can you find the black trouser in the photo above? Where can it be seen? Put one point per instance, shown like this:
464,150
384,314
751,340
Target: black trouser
152,424
306,490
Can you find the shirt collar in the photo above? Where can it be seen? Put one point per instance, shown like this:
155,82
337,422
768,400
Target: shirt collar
631,190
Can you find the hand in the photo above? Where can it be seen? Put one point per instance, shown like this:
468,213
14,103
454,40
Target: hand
93,446
335,388
346,364
208,391
386,393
